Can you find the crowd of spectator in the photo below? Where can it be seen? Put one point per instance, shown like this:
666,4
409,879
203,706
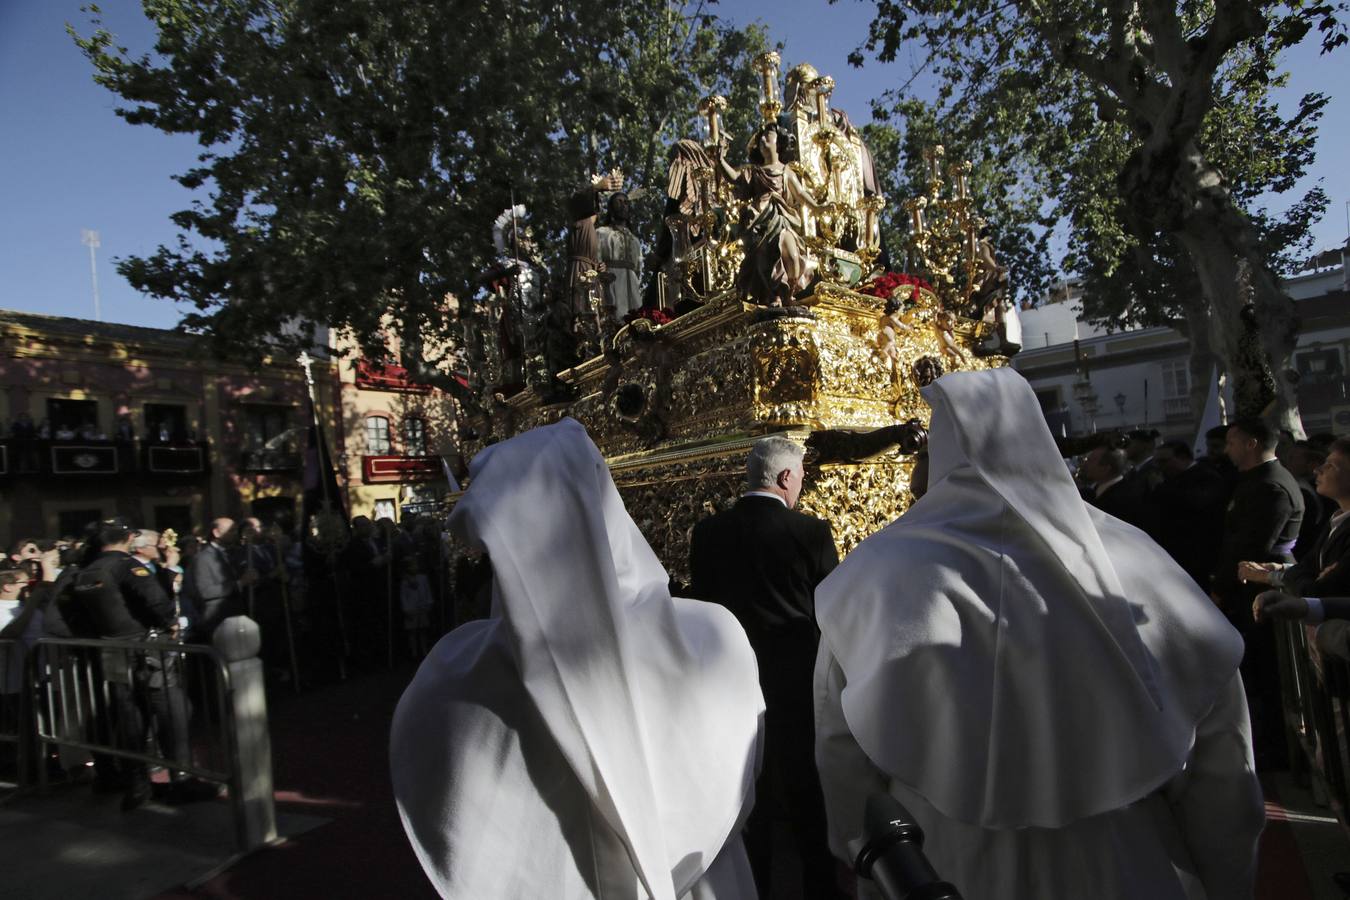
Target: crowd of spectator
374,602
1258,510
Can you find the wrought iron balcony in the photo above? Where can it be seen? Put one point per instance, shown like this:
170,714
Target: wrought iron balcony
269,460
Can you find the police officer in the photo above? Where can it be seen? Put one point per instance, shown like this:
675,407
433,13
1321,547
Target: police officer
116,597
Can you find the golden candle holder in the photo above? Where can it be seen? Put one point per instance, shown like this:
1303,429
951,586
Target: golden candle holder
712,107
915,206
767,65
824,87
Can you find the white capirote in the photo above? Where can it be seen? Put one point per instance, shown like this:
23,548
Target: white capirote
1021,668
595,737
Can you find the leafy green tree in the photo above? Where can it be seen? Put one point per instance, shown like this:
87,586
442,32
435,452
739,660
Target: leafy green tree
354,155
1148,129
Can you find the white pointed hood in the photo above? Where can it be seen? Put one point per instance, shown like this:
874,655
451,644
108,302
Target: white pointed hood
652,701
1015,656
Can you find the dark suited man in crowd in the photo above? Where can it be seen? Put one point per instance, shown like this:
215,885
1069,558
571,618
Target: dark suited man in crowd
1325,568
1188,510
1105,470
762,560
145,547
1141,450
1261,526
1303,460
367,563
214,583
1216,455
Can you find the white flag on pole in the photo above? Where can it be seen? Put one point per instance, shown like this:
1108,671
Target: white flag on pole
1210,417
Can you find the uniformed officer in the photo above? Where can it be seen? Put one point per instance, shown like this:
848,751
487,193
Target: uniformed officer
116,597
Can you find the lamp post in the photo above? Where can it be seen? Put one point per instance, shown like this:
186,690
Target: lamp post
91,240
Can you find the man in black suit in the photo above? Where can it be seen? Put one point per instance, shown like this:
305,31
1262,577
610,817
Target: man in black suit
1261,526
1106,470
1141,450
1303,460
1264,514
1188,510
213,584
762,560
1216,456
1325,569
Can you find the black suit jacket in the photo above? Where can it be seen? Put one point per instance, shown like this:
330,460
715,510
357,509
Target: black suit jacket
763,561
1261,525
1331,550
1188,519
1127,500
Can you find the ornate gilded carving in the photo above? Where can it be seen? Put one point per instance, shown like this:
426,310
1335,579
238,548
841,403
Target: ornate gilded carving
675,407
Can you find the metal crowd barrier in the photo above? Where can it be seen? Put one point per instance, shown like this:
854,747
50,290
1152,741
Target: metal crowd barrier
16,731
85,692
1316,694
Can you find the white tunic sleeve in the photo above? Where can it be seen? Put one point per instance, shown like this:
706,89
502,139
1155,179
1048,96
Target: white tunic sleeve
847,776
1217,798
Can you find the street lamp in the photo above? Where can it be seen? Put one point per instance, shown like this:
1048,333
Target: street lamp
91,240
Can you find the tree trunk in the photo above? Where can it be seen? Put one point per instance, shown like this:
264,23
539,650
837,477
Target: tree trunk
1224,247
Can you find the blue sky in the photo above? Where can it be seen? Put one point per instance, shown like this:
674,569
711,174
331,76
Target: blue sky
71,164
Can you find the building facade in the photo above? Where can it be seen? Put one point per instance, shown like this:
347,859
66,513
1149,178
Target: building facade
1089,380
397,439
104,419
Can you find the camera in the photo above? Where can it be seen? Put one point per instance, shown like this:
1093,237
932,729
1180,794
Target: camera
892,854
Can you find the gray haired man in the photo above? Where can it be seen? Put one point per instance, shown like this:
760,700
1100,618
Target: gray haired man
762,560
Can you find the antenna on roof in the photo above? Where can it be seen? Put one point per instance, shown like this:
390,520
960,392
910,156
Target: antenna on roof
90,240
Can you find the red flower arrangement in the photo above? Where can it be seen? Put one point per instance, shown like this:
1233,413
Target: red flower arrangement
884,286
654,314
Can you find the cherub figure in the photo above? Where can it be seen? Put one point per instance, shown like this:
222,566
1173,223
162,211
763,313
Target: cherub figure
945,326
889,327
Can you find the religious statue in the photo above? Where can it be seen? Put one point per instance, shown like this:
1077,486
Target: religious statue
518,279
889,327
621,254
945,326
993,299
682,226
800,96
776,266
585,267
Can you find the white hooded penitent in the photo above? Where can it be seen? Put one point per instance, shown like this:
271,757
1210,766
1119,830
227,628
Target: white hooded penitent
595,736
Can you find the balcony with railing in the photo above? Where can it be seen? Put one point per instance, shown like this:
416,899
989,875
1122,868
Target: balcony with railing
265,460
185,458
94,458
375,376
1177,408
391,469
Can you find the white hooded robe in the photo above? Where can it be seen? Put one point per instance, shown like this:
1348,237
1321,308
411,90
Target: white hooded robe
1037,682
594,738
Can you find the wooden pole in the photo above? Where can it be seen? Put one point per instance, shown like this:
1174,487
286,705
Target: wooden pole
389,598
283,578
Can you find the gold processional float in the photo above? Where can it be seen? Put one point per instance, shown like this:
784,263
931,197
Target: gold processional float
835,365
